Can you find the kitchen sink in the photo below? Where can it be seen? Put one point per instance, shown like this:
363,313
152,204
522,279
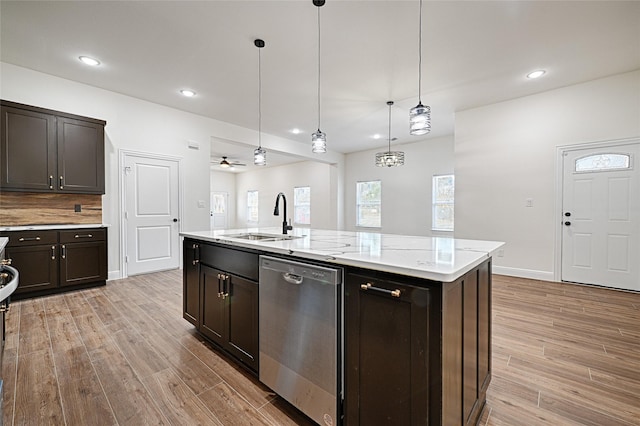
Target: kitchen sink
263,237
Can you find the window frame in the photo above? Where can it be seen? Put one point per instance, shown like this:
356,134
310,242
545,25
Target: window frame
301,205
359,204
251,206
435,203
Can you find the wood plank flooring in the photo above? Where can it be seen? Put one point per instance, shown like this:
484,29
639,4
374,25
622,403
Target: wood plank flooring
122,355
563,354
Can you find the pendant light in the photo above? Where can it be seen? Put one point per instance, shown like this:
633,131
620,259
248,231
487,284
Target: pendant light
390,158
318,138
420,115
259,154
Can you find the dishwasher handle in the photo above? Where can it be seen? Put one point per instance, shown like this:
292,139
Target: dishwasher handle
292,278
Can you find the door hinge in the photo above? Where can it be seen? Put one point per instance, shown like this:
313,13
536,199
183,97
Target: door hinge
126,215
126,259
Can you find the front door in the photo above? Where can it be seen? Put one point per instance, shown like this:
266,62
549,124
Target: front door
601,216
151,214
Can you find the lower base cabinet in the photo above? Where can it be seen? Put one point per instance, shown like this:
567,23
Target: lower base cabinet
51,261
417,352
220,303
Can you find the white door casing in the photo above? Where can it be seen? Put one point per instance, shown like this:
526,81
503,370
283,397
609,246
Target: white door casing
151,213
601,216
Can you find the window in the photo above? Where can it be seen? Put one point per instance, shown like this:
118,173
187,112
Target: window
252,206
603,162
368,199
443,191
302,205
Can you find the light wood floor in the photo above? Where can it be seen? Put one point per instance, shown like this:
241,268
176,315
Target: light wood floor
122,354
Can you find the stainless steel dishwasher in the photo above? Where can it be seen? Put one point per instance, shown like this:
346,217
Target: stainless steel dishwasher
300,337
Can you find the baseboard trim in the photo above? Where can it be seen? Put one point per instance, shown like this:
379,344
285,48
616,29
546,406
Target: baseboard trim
523,273
114,275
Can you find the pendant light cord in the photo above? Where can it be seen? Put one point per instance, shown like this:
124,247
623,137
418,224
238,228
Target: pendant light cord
259,99
420,58
389,103
318,68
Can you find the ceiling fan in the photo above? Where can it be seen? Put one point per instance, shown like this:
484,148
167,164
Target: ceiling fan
225,163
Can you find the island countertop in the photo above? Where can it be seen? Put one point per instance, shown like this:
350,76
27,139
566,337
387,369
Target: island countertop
434,258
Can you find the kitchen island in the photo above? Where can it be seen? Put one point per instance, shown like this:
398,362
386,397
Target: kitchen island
415,315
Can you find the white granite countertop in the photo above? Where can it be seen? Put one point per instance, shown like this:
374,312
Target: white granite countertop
48,227
434,258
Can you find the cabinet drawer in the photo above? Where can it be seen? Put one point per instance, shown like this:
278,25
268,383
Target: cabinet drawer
233,261
31,238
82,235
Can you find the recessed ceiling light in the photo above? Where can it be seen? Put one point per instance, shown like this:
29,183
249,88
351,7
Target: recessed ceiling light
296,131
89,61
377,136
188,93
536,74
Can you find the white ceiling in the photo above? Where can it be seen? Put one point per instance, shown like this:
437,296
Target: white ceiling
474,53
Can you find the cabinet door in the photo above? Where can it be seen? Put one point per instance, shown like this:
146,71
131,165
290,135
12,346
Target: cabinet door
212,305
38,266
387,353
83,263
28,147
242,318
191,282
80,156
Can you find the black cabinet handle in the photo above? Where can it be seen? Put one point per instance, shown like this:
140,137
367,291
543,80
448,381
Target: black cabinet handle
29,239
53,252
61,185
64,251
83,236
369,286
50,182
567,223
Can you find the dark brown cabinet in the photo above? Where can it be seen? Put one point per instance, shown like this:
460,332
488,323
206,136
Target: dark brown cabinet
388,355
83,255
51,261
50,151
35,254
426,343
221,297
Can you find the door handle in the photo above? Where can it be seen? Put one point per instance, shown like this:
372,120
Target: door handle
175,220
567,214
567,223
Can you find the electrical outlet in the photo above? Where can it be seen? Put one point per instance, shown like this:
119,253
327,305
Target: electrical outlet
201,204
529,202
77,208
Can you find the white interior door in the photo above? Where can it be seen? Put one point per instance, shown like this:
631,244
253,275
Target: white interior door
219,210
151,214
601,222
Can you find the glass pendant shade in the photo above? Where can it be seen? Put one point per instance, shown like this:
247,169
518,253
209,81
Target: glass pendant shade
420,120
260,156
390,159
318,142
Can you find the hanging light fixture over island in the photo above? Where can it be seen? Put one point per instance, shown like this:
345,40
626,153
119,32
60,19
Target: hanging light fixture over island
390,158
318,138
259,154
420,115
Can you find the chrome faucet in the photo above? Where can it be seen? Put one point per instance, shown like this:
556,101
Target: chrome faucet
276,212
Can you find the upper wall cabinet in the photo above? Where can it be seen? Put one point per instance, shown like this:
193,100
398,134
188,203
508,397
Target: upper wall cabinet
50,151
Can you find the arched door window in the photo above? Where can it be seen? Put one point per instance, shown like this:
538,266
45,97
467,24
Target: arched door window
603,162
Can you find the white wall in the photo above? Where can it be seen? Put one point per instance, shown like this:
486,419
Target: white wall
270,181
406,190
225,182
506,153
